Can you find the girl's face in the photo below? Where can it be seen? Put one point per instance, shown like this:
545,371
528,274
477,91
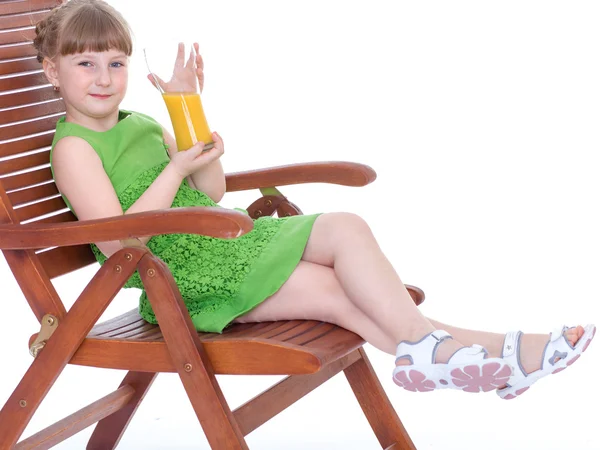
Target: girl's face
93,84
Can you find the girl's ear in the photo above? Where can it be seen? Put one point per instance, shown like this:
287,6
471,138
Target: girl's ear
51,71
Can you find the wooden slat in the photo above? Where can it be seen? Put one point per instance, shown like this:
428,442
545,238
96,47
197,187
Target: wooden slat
20,65
64,217
26,179
32,194
26,162
23,81
25,145
294,331
22,20
331,342
17,51
150,335
316,332
27,128
280,330
30,96
115,323
16,36
78,421
240,331
62,260
31,112
130,330
40,208
22,6
140,329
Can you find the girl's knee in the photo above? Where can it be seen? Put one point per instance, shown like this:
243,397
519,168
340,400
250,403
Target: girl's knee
345,222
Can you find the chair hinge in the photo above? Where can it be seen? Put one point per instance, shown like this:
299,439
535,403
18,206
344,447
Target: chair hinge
48,327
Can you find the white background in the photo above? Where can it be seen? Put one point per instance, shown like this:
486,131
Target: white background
480,119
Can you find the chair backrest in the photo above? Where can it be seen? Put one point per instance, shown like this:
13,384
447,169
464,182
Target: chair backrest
29,109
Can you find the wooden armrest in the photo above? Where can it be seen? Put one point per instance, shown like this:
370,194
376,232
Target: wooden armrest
335,172
205,220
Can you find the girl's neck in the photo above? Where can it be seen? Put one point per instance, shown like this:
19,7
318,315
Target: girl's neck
92,123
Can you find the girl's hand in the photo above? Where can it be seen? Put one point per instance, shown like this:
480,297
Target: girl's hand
185,78
187,162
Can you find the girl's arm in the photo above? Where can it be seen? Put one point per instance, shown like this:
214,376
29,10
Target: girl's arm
209,179
80,177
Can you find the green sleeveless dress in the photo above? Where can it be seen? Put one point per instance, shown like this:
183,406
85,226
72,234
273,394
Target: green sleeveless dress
219,279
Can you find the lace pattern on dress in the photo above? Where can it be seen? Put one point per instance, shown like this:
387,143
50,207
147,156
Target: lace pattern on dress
208,271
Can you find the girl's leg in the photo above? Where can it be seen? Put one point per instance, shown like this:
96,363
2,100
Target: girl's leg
345,243
313,293
345,279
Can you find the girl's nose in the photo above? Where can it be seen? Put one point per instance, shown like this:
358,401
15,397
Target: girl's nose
103,78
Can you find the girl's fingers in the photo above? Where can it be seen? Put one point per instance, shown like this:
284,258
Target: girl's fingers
200,77
217,139
211,155
180,55
199,60
160,81
191,59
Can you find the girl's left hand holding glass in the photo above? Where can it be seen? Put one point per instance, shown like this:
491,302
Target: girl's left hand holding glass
187,75
187,162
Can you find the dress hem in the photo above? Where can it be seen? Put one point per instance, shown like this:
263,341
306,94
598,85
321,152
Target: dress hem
266,277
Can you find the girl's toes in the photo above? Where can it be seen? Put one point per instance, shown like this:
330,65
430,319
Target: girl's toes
574,334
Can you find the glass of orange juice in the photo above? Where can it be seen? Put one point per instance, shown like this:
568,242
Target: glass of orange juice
182,100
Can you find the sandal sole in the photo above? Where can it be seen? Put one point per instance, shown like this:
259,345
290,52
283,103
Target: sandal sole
472,378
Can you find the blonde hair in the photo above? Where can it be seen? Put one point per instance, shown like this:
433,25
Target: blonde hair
82,25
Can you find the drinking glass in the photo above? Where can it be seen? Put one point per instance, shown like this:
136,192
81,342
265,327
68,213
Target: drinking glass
180,93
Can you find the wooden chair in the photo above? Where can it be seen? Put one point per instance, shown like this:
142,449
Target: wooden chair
41,240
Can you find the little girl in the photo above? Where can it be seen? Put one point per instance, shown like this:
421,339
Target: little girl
107,161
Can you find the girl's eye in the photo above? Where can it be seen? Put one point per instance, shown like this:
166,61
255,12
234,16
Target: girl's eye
85,64
117,64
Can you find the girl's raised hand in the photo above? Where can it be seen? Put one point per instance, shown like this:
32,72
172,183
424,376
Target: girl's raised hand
186,75
187,162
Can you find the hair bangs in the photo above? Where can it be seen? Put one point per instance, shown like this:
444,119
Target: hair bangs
96,31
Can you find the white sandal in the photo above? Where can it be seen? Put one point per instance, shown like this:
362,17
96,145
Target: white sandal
558,355
468,368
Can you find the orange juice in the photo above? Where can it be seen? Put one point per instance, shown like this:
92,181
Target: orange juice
187,117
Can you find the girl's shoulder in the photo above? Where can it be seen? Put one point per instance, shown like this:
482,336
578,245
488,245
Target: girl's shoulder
141,116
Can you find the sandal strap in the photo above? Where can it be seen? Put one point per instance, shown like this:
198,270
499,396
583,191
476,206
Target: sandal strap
424,350
511,352
468,354
557,349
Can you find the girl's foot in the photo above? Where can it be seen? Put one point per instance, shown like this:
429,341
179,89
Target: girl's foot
437,361
445,350
533,356
533,345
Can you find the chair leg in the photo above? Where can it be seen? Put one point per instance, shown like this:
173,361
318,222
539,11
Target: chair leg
74,327
377,407
190,358
108,431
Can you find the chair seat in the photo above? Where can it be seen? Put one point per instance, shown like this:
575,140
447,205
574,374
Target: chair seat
293,347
